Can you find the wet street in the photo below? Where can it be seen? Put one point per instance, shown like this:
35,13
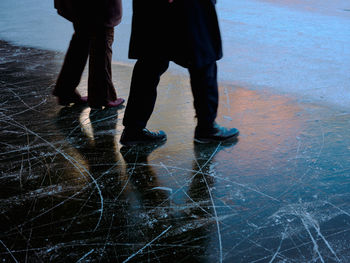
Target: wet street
69,192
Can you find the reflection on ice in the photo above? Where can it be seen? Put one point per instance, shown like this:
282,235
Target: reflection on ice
69,192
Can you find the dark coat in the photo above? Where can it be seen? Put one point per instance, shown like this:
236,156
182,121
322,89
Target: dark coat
185,31
98,12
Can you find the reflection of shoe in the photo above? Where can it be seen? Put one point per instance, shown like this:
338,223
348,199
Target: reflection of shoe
76,99
216,133
140,152
143,136
204,151
109,104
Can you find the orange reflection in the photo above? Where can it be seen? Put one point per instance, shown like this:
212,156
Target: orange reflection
269,123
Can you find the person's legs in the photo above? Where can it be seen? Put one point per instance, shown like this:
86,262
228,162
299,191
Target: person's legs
205,93
206,97
143,92
73,65
101,90
142,98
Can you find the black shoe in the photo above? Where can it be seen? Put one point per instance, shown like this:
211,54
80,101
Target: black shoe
216,133
144,136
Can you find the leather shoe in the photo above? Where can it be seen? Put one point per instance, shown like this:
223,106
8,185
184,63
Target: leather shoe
141,136
216,133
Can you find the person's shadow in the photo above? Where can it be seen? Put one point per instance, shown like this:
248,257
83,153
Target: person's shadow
143,177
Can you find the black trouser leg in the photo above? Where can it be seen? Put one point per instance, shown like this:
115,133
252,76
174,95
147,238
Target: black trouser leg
205,93
74,63
143,92
100,85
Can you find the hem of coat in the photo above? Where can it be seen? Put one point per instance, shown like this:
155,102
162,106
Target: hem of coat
182,63
107,24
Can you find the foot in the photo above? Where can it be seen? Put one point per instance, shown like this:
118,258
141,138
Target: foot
109,104
142,136
216,133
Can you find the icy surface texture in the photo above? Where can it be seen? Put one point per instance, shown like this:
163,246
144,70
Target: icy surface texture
70,193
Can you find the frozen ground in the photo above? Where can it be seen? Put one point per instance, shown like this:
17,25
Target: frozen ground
70,193
289,46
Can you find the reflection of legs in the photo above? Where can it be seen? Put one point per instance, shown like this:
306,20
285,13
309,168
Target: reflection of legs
103,153
74,64
202,165
142,175
143,92
202,181
100,86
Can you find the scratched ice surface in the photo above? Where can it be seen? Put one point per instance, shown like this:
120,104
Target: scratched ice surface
70,193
